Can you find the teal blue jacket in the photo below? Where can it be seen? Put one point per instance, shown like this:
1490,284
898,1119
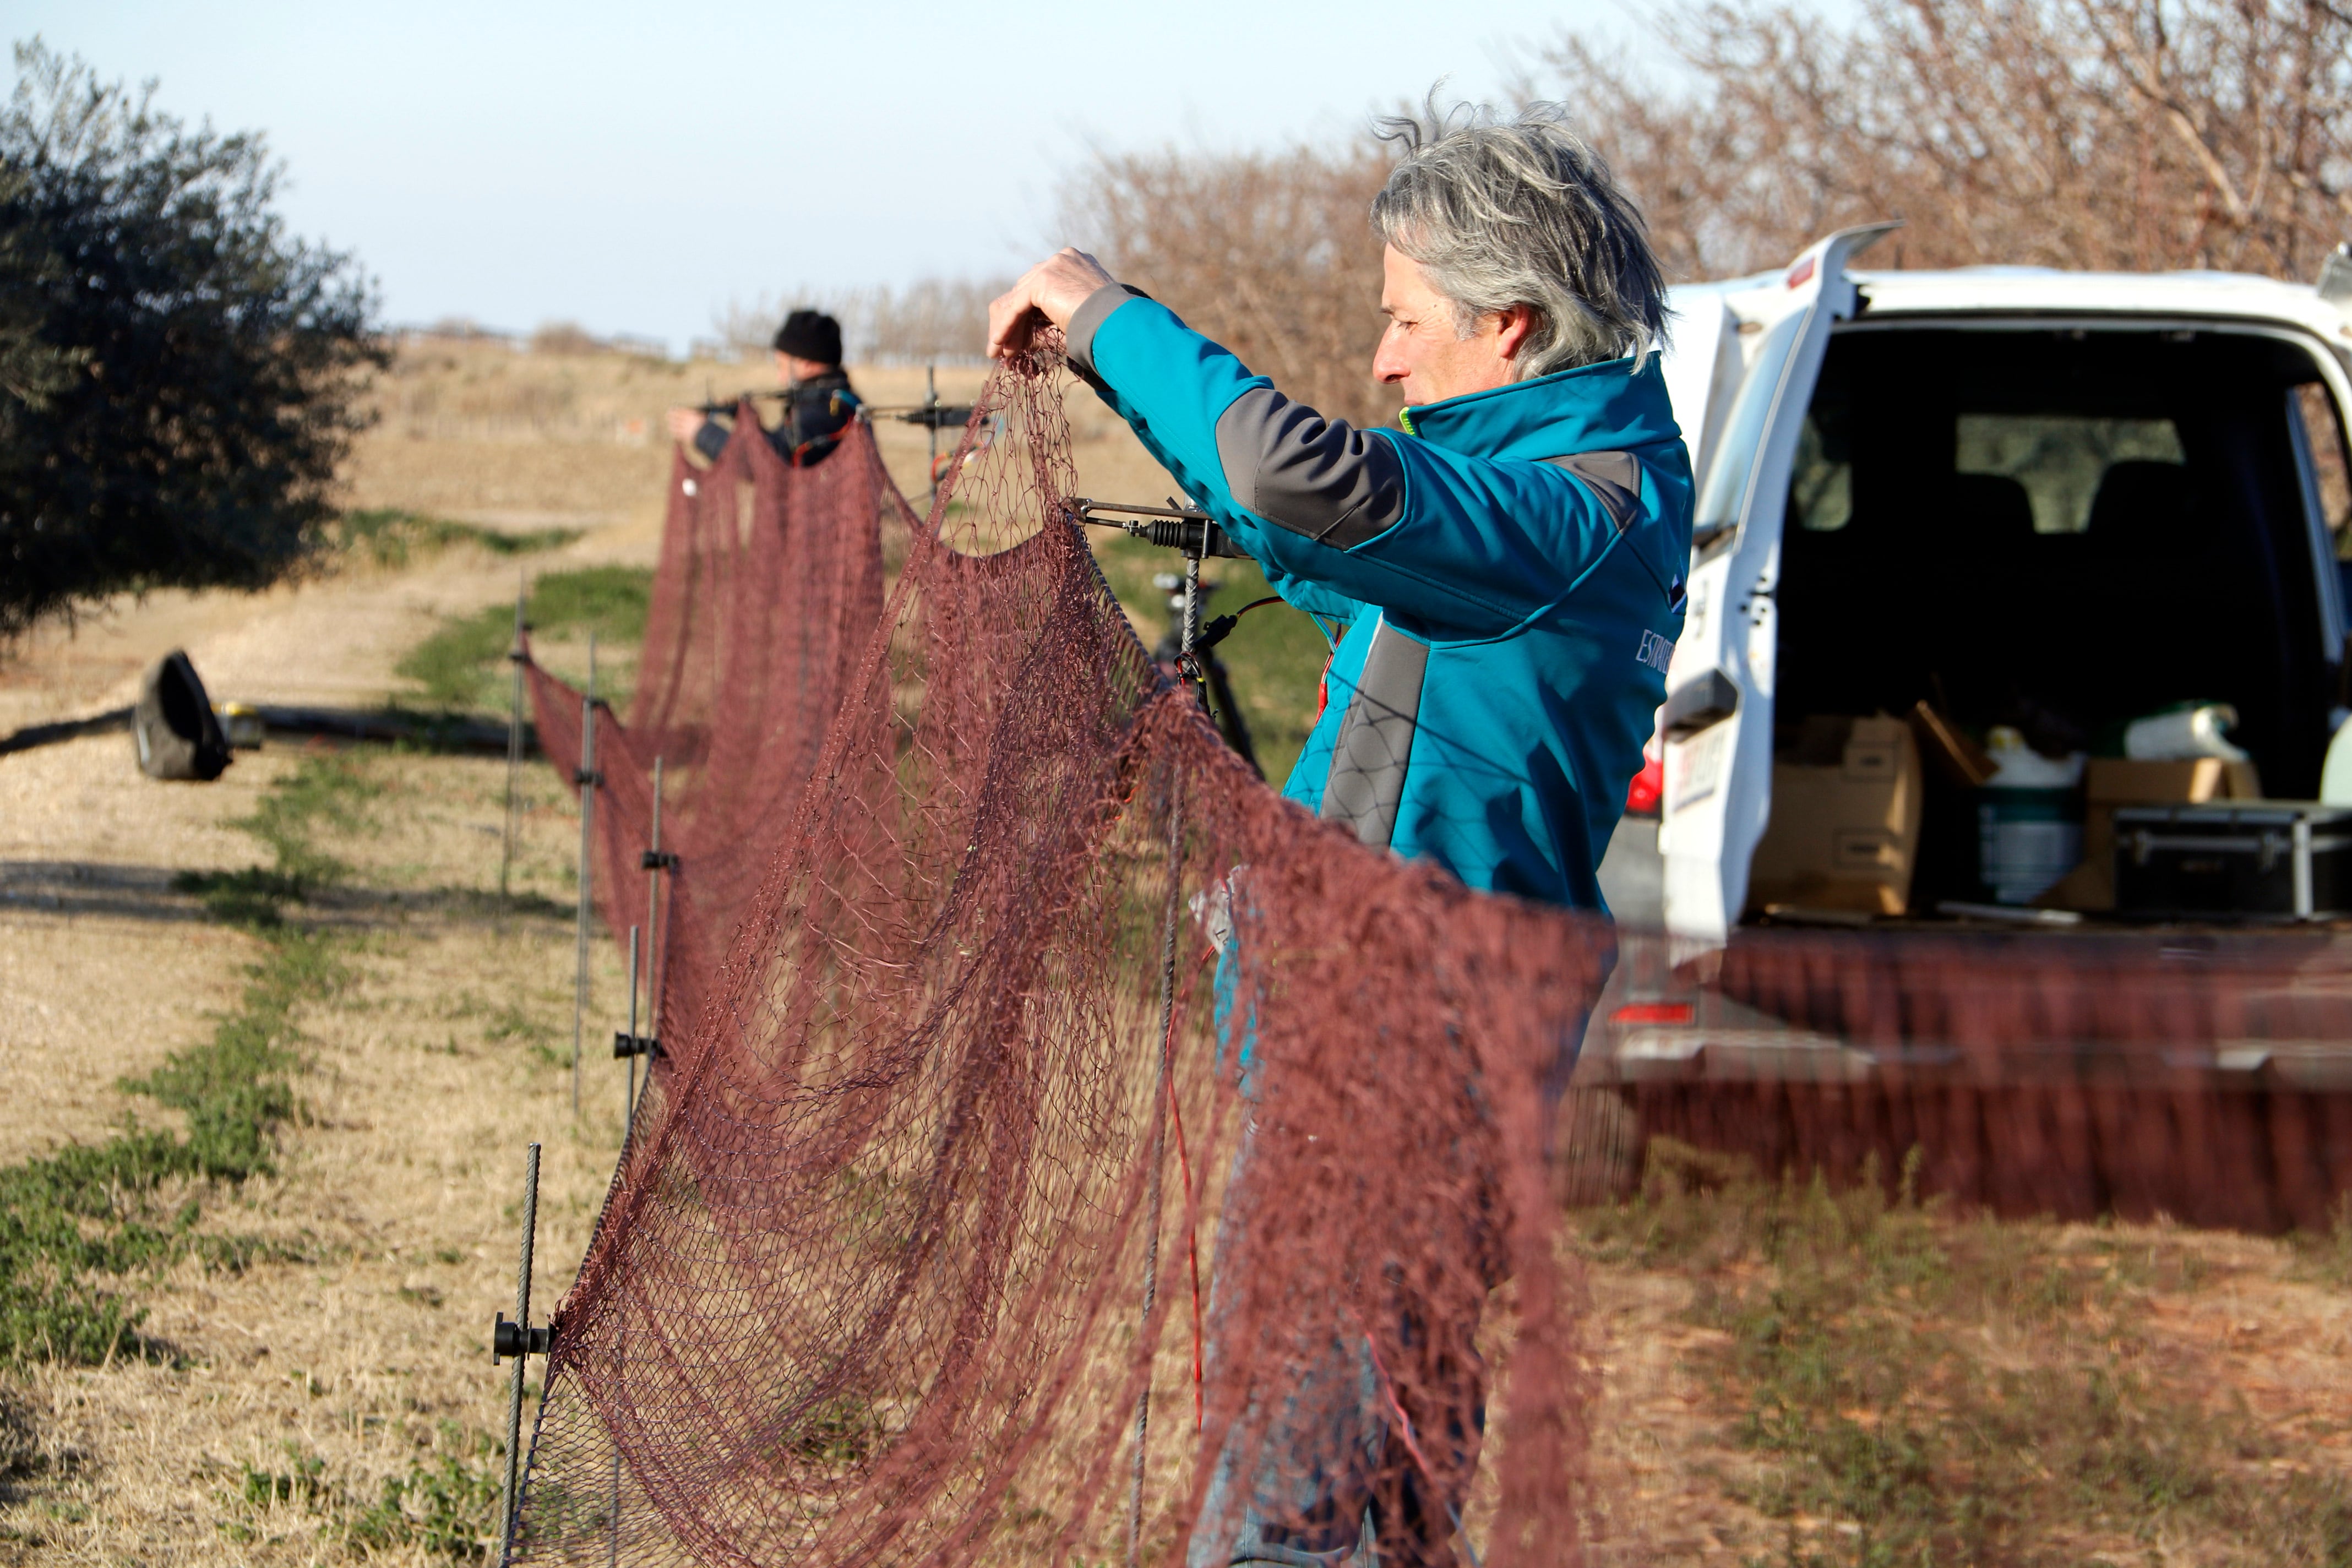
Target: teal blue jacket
1509,570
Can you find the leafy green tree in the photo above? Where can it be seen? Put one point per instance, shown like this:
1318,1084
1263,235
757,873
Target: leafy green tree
178,376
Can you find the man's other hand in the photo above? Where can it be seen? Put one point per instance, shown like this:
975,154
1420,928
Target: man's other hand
1052,291
684,424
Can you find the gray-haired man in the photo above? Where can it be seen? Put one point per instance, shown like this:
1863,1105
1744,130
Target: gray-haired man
1510,568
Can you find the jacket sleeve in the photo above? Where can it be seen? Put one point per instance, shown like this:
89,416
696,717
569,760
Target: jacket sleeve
1469,545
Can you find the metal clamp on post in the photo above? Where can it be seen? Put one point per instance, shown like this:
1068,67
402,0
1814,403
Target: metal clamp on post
588,777
627,1045
656,860
927,416
1194,534
1171,527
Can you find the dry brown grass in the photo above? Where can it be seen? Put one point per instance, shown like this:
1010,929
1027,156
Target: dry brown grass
1790,1377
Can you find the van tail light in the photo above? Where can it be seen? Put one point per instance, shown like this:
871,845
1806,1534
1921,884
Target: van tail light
1648,788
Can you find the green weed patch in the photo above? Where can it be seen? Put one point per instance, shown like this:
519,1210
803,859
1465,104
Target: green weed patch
448,1506
326,790
79,1229
463,664
386,536
80,1226
1861,1365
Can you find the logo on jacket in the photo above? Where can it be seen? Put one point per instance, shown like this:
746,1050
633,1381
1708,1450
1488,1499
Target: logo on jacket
1655,651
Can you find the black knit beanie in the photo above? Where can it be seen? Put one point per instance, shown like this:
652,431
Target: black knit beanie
811,335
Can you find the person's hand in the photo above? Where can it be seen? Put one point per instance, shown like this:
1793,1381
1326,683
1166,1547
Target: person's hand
684,424
1052,290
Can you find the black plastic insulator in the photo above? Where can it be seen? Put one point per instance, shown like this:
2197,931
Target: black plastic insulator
594,778
512,1339
1185,533
627,1045
1215,632
658,860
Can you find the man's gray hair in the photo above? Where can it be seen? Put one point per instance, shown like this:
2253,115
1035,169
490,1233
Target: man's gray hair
1518,211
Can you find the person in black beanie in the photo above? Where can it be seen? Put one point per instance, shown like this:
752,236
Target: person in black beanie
818,401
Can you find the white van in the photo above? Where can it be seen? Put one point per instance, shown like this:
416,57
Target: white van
2005,491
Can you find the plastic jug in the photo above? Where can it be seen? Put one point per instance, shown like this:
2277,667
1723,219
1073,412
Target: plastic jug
2029,819
2335,774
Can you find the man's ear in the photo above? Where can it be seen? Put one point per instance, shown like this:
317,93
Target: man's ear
1512,330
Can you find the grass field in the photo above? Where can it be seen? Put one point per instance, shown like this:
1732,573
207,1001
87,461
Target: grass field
1851,1379
276,1051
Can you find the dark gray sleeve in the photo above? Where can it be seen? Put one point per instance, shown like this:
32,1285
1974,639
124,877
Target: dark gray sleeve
711,439
1100,304
1322,478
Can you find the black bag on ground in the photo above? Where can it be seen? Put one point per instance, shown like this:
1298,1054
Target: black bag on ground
178,736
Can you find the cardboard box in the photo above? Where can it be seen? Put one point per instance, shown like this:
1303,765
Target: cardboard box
2112,781
1844,833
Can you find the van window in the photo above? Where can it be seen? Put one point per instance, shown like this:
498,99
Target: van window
2323,436
2060,458
1725,486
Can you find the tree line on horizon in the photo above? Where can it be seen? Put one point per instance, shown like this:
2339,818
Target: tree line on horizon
2135,135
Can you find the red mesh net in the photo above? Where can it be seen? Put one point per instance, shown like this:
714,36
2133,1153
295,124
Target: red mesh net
1067,1151
754,630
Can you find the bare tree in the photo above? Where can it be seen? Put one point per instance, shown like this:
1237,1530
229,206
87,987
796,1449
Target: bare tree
1270,254
2135,135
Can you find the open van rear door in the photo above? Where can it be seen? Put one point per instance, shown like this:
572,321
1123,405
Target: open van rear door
1717,720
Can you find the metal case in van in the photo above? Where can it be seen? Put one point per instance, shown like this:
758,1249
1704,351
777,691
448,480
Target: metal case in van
2246,861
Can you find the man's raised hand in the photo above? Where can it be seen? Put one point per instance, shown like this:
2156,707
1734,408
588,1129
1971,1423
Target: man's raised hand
1053,290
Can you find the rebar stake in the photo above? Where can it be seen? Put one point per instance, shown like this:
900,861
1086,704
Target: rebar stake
519,1342
588,779
657,863
516,655
930,406
630,1046
1151,1201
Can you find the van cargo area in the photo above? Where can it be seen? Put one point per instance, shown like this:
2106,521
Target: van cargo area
2062,529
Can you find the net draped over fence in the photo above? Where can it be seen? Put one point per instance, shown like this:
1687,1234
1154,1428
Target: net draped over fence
754,630
1061,1143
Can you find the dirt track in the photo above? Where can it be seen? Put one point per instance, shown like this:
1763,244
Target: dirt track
359,1353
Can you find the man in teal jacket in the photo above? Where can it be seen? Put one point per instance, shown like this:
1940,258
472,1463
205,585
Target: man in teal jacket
1509,567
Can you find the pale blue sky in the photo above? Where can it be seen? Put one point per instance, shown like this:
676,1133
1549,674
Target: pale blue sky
635,167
